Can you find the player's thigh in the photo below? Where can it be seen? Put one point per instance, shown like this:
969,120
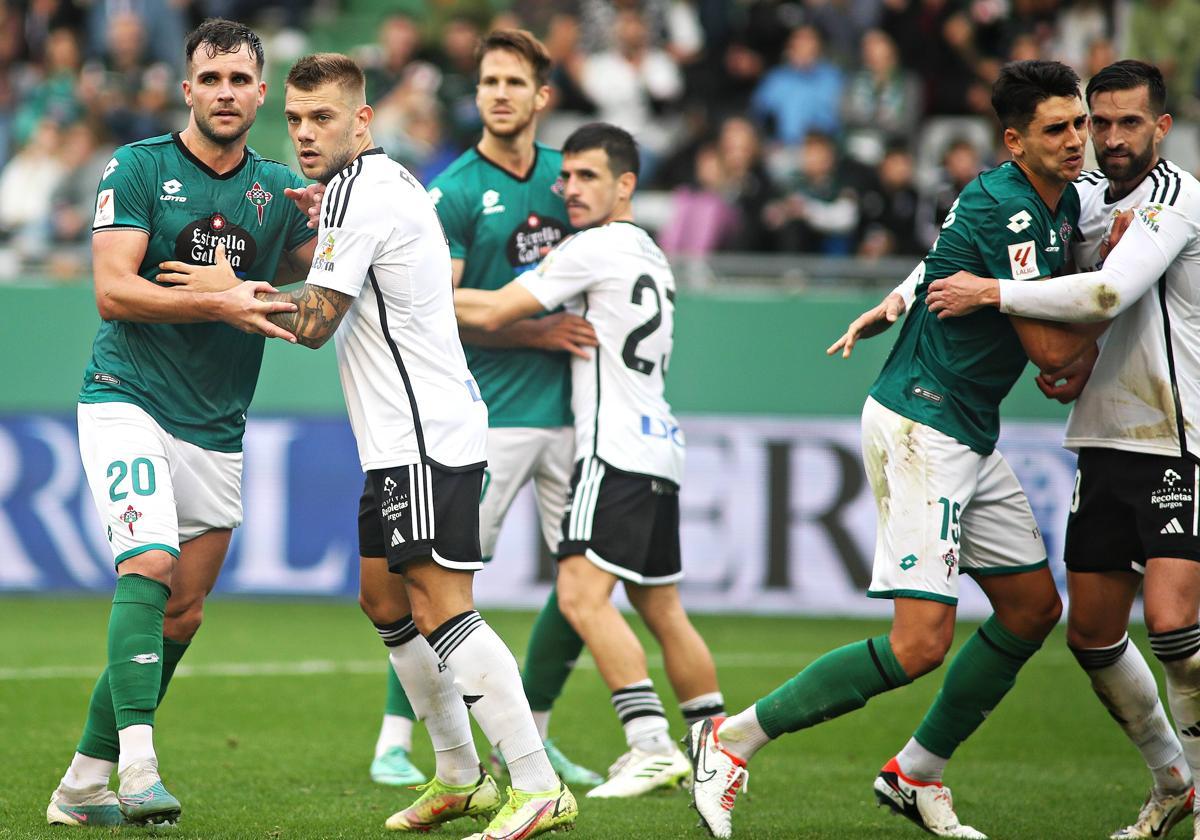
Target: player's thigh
1100,603
1102,527
512,455
127,459
624,524
552,481
922,480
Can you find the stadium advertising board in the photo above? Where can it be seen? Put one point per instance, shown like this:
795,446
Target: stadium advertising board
777,514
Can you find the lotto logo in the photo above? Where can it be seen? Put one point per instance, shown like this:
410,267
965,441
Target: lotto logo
1018,221
908,562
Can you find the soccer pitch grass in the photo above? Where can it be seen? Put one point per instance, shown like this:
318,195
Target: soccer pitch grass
269,726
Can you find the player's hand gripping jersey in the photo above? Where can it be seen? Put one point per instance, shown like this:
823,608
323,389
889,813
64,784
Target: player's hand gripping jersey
617,278
952,374
503,226
195,380
410,396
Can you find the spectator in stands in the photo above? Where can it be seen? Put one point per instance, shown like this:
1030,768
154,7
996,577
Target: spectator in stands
161,24
73,202
456,91
960,165
53,96
566,75
636,86
391,63
26,184
803,94
887,224
820,212
882,102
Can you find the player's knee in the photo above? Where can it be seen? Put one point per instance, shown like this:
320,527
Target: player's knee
919,654
375,607
1169,618
577,603
183,620
156,565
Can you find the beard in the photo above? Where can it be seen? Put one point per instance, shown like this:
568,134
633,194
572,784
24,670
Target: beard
223,137
506,132
1122,169
337,162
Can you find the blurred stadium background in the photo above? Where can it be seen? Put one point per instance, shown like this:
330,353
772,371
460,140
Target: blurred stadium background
799,158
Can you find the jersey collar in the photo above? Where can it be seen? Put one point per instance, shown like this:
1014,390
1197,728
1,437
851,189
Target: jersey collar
519,178
204,167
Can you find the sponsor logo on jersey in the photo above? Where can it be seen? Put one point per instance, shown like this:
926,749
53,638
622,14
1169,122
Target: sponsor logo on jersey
1170,477
105,379
1170,497
473,390
1022,261
532,240
392,509
323,259
491,203
106,208
260,198
170,191
926,394
656,427
1150,215
129,517
197,243
1018,221
389,485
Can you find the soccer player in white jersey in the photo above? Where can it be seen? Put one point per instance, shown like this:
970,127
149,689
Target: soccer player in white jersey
622,522
380,280
1134,514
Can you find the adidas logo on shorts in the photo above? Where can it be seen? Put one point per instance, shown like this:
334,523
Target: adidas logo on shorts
396,538
1172,527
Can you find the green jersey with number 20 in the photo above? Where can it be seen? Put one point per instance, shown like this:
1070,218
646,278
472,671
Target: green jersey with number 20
952,374
503,226
195,380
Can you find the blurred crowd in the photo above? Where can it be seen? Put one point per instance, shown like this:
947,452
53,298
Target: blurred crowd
832,127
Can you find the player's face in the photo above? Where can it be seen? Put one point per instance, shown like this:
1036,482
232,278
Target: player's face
1126,132
327,126
1052,145
508,96
224,92
590,189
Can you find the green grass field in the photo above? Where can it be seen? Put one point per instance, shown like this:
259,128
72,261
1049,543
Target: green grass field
268,730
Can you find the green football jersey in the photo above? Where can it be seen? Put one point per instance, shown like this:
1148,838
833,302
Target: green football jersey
952,374
195,380
503,226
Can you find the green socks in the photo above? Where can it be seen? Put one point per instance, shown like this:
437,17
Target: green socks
397,700
840,681
553,648
980,674
135,649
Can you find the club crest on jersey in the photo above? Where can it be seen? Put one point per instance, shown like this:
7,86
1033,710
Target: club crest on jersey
558,187
951,562
216,222
1022,261
129,517
1065,231
259,197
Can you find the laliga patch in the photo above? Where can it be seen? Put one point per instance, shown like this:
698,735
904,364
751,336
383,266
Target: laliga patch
106,208
1022,261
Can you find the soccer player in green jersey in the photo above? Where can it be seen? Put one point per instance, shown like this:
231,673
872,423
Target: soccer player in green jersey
162,408
947,501
501,206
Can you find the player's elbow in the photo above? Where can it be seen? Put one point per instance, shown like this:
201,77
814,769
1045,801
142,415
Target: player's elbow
1053,359
313,341
1105,303
108,308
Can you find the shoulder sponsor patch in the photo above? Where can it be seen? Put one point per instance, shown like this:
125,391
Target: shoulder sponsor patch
106,208
1149,214
1022,260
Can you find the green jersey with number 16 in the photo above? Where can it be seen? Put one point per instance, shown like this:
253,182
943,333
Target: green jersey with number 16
503,226
195,380
952,374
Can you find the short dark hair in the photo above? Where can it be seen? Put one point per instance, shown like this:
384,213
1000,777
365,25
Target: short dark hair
617,143
221,37
1130,74
523,43
312,71
1023,85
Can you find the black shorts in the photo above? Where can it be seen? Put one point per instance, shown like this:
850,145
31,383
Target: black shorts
417,511
1129,507
625,523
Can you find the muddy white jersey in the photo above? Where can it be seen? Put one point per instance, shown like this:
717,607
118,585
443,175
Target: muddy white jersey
409,393
618,278
1144,392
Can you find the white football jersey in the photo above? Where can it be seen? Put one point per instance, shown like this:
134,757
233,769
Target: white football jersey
409,393
1144,392
616,277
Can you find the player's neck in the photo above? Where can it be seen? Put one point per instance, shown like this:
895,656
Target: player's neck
1050,190
220,158
512,154
1119,189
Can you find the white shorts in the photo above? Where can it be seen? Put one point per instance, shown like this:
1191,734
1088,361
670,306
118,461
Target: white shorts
943,509
516,455
152,490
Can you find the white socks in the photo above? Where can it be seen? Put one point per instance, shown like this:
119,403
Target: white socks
487,677
542,721
742,735
919,764
1179,652
396,731
87,772
137,744
641,714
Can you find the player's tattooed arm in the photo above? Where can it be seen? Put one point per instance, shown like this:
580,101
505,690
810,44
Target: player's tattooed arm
318,313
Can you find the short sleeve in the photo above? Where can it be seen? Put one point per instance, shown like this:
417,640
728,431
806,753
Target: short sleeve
1010,241
347,248
454,216
565,273
125,198
297,231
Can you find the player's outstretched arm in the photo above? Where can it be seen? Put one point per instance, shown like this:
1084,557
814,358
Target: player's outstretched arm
124,295
871,323
489,312
318,312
